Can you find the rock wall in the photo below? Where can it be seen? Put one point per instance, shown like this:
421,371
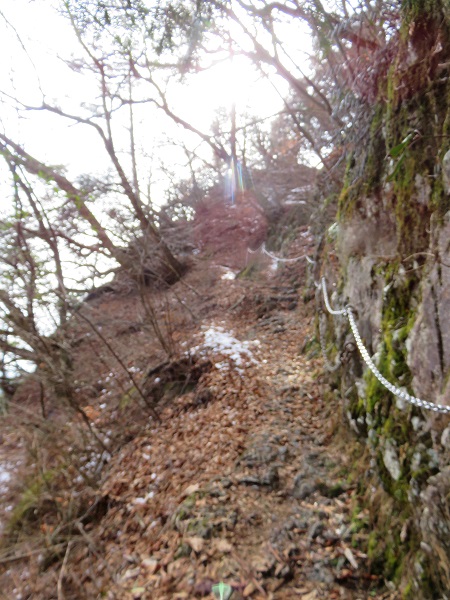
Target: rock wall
429,356
391,244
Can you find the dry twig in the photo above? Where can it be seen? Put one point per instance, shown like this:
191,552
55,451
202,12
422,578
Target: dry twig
63,572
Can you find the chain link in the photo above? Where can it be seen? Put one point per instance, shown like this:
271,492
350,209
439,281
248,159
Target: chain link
365,355
286,260
327,301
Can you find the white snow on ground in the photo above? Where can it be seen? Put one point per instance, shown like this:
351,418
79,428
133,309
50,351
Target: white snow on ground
223,342
292,202
227,273
5,477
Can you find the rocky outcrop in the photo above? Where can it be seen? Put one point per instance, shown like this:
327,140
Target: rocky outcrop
392,244
435,523
429,340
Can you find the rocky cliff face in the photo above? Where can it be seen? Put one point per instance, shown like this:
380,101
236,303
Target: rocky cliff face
391,245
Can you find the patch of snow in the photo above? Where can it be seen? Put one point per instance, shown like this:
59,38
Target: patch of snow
139,501
4,475
5,478
223,342
143,500
229,275
274,265
292,202
302,189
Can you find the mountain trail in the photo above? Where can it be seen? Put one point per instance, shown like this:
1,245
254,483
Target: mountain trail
242,481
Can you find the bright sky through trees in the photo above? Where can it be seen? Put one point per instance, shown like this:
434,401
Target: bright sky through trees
36,43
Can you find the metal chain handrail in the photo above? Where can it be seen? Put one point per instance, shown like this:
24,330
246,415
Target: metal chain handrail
250,251
365,355
264,250
286,260
327,300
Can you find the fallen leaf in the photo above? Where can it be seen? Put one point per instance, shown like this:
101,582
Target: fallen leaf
191,489
345,574
196,543
263,564
223,545
249,589
151,564
351,559
130,574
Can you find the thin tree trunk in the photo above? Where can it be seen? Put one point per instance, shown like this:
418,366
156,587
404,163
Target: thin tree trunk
36,167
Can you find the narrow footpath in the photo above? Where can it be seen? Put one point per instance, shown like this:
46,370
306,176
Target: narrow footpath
247,485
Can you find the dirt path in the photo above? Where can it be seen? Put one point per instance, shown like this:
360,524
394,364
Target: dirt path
246,487
299,546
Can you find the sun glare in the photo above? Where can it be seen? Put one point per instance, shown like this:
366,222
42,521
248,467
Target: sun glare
38,73
233,81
